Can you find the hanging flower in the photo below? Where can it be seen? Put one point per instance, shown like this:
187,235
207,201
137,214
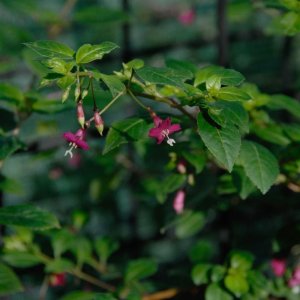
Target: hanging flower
76,140
99,124
178,202
187,17
295,279
162,129
278,266
80,114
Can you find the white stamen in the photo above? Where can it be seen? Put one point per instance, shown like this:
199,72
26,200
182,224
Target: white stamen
69,151
165,133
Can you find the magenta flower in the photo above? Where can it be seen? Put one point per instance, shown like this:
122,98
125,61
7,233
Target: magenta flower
76,140
278,266
178,202
162,129
187,17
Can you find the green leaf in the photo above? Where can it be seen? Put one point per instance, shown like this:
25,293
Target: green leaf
164,76
259,164
135,64
122,132
8,120
237,284
232,93
79,295
82,249
292,130
9,145
181,65
170,184
271,133
189,223
217,273
60,265
213,83
51,49
45,106
224,112
59,65
224,143
9,282
139,269
286,103
10,93
202,251
241,260
196,158
114,84
105,247
20,259
88,53
27,216
61,240
243,183
215,292
200,274
227,76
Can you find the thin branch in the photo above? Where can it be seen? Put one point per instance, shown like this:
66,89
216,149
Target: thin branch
167,294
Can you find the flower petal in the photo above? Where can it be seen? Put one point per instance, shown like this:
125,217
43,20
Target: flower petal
82,144
70,137
174,128
155,132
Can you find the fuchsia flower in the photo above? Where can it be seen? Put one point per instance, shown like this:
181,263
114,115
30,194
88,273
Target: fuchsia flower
178,202
295,279
187,17
76,140
162,129
278,266
58,279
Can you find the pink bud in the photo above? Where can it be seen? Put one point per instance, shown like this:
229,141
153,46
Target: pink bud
181,167
58,279
99,124
178,202
80,114
278,266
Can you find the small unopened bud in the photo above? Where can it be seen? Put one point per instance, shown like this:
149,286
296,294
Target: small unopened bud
178,202
77,93
99,124
84,94
65,94
57,279
80,114
181,167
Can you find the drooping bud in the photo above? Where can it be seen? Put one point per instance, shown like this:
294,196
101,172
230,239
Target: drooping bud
80,114
178,202
57,279
84,94
181,167
99,124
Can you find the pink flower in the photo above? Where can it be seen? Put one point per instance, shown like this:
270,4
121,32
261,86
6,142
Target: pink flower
187,17
278,266
80,114
295,279
178,202
76,140
99,124
162,129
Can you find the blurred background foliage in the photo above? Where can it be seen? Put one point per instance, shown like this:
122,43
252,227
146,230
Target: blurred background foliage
115,195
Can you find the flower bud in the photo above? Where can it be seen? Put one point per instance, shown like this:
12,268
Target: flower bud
80,114
57,279
181,167
178,202
99,124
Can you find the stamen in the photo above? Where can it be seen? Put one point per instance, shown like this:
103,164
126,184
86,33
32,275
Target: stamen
69,151
171,142
165,133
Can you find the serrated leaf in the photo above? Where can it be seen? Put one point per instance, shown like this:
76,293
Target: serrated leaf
224,143
232,93
215,292
224,112
259,164
20,259
164,76
122,132
51,49
189,223
200,274
88,53
114,84
9,282
139,269
28,216
196,158
243,183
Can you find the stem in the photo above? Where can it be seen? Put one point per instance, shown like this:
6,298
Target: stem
137,100
92,280
167,294
43,289
93,94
